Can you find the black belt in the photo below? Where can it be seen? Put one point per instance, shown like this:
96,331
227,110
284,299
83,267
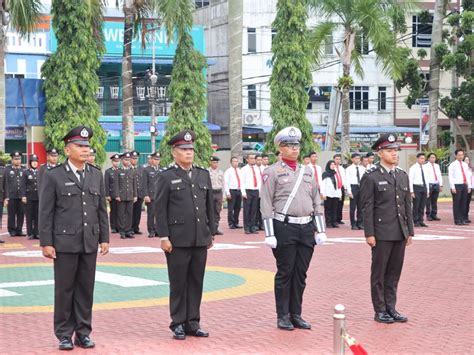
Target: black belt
217,190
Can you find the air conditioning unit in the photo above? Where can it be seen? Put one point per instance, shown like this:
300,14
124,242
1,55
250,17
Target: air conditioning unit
252,119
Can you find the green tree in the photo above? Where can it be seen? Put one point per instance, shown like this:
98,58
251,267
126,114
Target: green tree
188,84
291,74
23,16
70,78
363,21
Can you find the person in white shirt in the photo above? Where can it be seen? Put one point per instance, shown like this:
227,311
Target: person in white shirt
460,184
354,173
232,190
317,171
435,182
341,184
265,161
331,194
250,186
371,157
306,160
419,188
261,168
469,194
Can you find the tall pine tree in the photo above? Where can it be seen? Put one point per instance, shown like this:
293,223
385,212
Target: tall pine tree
291,73
70,78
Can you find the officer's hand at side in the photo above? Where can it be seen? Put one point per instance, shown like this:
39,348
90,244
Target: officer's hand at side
117,199
453,191
412,195
323,197
244,197
134,199
23,199
441,189
351,196
409,241
147,199
427,195
271,242
49,252
320,238
371,241
104,248
108,198
211,244
166,246
229,197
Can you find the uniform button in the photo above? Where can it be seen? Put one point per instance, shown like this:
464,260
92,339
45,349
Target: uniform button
398,196
380,220
85,224
192,185
198,220
85,213
69,194
177,188
195,196
83,203
83,193
197,208
64,231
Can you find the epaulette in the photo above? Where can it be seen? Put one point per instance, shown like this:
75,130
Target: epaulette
200,167
94,166
398,168
372,169
57,166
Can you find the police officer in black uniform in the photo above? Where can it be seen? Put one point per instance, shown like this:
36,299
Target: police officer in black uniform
14,185
30,197
73,223
2,195
186,226
137,205
150,182
109,177
388,226
125,192
52,157
92,157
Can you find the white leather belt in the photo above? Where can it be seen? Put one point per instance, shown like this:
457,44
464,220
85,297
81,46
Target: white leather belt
296,220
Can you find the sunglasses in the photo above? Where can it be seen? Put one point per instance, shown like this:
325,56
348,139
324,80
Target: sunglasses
291,145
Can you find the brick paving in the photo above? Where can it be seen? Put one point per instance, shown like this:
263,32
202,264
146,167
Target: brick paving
436,292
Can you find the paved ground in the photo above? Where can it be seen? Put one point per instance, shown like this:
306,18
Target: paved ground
436,292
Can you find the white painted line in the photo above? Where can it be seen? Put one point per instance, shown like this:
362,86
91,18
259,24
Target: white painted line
6,293
125,281
26,283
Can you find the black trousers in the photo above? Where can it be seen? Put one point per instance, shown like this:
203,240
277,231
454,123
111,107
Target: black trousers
32,217
250,210
340,206
432,201
258,218
217,199
113,214
74,277
468,205
419,203
295,246
125,216
186,268
330,210
151,218
16,216
355,208
459,202
387,263
233,207
137,214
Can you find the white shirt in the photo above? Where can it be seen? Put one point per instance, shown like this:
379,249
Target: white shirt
455,174
247,182
328,189
416,178
435,176
342,173
74,170
351,176
230,180
318,174
369,166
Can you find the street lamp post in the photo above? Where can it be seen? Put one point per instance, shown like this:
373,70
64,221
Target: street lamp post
153,80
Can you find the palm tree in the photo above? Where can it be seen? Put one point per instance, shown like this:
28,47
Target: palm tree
362,21
23,16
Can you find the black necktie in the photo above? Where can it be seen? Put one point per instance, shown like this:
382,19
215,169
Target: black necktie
81,175
358,175
392,175
423,176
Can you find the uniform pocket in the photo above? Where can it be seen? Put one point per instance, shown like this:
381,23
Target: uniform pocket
177,187
58,230
203,186
172,221
70,191
382,188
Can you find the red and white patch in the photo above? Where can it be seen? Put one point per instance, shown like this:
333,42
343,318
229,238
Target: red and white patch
265,178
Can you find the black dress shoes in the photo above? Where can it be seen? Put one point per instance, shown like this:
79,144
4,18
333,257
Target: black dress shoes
467,221
436,218
151,235
285,323
335,225
238,227
232,227
360,227
198,333
178,333
422,224
31,237
340,222
354,228
2,241
397,317
219,232
84,342
65,344
417,225
113,231
248,232
299,322
21,234
429,219
383,317
137,232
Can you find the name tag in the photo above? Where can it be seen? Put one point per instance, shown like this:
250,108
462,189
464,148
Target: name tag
176,181
383,182
69,183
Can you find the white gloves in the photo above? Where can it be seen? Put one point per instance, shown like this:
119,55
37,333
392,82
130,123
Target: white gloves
271,242
320,238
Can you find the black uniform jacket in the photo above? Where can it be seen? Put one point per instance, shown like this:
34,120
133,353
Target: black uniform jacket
184,207
109,178
139,171
386,205
73,217
14,184
150,182
30,181
125,184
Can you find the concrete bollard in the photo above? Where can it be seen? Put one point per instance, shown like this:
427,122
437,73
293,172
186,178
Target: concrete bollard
339,329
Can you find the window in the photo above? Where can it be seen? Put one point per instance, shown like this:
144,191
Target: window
274,33
421,36
359,98
382,98
252,97
362,44
252,40
201,3
328,45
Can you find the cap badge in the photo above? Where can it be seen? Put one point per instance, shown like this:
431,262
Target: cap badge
188,137
84,133
391,138
292,133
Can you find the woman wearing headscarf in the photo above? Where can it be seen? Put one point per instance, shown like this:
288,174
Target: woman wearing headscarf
330,194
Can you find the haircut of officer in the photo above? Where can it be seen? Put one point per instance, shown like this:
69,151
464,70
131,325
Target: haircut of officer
73,224
30,197
150,183
291,214
388,226
109,180
14,185
186,226
138,204
52,157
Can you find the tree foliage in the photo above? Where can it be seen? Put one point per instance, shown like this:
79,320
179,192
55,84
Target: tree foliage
291,74
188,84
70,78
